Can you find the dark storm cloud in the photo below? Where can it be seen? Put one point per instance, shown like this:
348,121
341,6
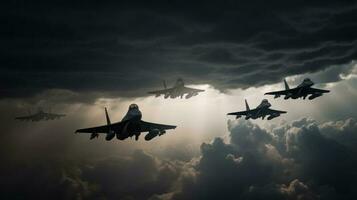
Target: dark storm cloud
126,48
43,180
46,160
301,160
139,176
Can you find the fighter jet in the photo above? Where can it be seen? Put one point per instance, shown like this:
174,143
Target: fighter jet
178,90
130,125
261,111
40,116
301,91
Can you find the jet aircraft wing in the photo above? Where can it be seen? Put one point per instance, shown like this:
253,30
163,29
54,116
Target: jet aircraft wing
243,112
281,92
314,90
188,90
57,115
147,126
25,117
164,91
270,111
101,129
144,127
54,115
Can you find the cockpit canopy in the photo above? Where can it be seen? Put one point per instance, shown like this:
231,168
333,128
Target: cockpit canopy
264,103
133,106
307,82
179,82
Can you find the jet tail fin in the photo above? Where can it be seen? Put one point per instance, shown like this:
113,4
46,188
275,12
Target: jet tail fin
107,116
286,85
164,82
246,105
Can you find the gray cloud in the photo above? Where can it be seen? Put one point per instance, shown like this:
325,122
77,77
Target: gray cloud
301,160
127,48
304,159
139,176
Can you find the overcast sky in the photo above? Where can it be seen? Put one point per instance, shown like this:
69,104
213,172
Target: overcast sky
77,58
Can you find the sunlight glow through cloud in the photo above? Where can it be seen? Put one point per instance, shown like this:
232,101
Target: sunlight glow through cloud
199,119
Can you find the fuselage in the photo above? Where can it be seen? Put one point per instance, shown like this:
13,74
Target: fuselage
305,83
264,104
260,110
131,125
302,89
40,115
178,90
133,114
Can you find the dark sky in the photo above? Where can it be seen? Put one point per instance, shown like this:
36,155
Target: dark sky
79,57
124,48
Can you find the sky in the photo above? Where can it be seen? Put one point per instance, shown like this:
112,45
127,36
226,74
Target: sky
78,57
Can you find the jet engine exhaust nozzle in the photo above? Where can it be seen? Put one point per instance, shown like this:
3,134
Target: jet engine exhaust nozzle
152,133
314,96
272,116
110,135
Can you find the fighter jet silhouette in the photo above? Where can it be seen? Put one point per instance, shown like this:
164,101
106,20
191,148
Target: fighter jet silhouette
130,125
302,90
262,110
40,116
178,90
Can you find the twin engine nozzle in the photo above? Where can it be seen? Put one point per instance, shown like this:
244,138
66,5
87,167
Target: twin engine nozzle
153,133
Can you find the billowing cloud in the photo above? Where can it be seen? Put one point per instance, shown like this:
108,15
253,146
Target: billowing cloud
139,176
76,58
299,160
303,159
127,48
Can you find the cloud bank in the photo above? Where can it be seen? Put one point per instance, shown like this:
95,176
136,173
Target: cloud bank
299,160
126,48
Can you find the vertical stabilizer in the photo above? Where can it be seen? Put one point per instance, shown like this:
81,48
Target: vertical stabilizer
246,105
286,85
164,82
107,116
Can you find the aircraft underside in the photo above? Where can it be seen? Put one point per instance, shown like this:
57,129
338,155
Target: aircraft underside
303,96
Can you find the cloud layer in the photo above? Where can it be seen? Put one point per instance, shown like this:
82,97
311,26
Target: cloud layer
299,160
127,48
